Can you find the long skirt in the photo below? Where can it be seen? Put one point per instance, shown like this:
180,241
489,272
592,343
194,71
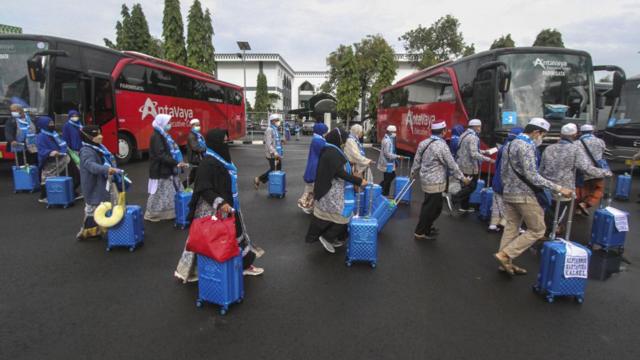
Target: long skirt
161,203
187,269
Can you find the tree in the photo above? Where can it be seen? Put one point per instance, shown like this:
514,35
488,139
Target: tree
123,31
550,38
273,99
208,63
503,41
261,103
173,33
359,72
439,42
195,36
140,39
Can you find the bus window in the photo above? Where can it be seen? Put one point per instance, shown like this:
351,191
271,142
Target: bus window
430,90
133,78
395,98
68,92
234,97
215,93
162,82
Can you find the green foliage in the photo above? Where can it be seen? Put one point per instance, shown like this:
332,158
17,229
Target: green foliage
273,99
550,38
173,33
262,96
359,72
196,34
439,42
504,41
140,39
208,63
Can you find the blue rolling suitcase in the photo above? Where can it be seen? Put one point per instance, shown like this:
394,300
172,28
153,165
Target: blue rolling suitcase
623,187
26,177
59,189
551,279
363,240
365,197
182,200
386,208
220,283
604,232
486,200
476,196
401,181
277,184
129,232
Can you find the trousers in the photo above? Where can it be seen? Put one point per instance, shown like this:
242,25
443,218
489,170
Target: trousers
429,213
513,243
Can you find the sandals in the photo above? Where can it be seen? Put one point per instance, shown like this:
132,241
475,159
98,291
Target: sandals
256,183
504,263
516,270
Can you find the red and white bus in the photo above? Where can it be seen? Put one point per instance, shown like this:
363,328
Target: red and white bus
120,91
503,87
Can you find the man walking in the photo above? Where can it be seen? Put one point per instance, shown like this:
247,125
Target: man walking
387,159
469,159
591,187
272,148
433,159
521,182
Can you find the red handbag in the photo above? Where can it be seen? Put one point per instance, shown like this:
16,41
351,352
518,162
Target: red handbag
214,237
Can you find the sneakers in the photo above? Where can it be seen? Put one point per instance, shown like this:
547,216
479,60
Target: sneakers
493,229
338,244
43,200
78,197
429,236
253,271
327,245
467,211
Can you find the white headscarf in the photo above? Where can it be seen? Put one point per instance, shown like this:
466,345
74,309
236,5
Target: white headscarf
161,120
356,130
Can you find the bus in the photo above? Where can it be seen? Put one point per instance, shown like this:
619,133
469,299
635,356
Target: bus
121,91
622,134
502,87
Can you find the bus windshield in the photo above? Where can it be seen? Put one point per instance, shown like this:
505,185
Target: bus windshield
15,85
627,112
557,87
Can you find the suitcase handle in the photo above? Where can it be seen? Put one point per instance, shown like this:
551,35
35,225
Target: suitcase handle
403,191
66,168
488,185
556,217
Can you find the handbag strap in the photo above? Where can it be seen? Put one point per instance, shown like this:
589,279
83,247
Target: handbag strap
522,178
593,159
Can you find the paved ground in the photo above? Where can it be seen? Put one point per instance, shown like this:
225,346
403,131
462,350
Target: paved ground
63,299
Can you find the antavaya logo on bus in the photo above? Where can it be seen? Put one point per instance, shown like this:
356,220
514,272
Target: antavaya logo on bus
410,119
151,107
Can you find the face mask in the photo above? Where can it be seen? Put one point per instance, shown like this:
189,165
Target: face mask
538,140
15,114
75,119
393,135
51,127
196,128
167,127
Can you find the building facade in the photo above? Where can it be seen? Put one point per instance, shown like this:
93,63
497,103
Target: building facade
294,88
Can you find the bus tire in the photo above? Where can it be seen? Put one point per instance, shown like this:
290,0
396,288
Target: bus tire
126,148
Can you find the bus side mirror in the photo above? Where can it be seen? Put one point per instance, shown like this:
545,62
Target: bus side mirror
467,91
616,88
504,80
36,71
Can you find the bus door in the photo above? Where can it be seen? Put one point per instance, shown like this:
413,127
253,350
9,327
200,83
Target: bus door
491,81
101,109
67,94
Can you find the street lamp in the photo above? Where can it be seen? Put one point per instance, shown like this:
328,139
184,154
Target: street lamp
244,46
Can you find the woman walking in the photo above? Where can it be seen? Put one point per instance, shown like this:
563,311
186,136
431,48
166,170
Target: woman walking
216,189
165,163
334,194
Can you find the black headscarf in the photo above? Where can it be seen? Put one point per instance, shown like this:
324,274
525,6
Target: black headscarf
215,141
330,163
89,132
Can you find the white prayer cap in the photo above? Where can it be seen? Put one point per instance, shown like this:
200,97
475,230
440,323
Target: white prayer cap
274,117
569,129
392,128
194,122
541,123
475,122
586,128
438,125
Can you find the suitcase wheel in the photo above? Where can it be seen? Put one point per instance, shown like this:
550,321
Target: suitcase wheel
550,299
199,303
108,249
373,265
348,263
132,249
579,299
223,310
239,301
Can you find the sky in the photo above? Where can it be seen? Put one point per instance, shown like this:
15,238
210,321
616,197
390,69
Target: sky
304,32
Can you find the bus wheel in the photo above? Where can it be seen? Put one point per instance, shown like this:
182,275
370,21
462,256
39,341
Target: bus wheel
126,148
